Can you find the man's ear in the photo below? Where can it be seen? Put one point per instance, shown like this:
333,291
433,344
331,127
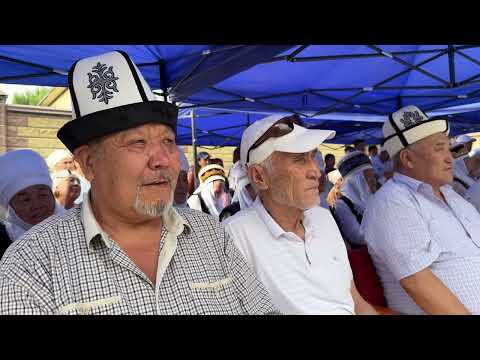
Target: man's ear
258,177
85,158
406,158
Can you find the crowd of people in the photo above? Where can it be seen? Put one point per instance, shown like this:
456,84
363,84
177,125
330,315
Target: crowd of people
121,223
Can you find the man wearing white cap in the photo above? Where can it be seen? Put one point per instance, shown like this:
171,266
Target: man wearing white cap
359,183
462,145
210,196
466,169
293,244
126,249
25,193
424,238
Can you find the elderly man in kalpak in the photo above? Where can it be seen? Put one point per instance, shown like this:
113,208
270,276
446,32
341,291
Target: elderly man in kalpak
293,244
126,250
423,237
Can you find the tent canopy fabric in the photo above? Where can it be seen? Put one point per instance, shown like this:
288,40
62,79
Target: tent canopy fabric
174,69
370,79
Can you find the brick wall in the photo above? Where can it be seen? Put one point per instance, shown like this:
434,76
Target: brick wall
33,127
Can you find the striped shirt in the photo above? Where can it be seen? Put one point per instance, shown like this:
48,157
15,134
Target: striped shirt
408,229
68,265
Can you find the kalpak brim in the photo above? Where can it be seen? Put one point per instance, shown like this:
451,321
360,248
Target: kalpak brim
84,129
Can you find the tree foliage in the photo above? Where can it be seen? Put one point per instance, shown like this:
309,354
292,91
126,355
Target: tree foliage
30,97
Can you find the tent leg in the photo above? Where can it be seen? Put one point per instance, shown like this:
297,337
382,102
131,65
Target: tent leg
194,146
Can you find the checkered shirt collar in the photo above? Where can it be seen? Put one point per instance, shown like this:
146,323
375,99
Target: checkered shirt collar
172,221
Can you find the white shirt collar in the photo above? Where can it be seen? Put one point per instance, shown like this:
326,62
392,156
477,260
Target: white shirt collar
172,221
415,184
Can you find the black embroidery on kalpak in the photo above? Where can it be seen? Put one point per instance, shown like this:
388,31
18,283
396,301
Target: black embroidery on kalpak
102,81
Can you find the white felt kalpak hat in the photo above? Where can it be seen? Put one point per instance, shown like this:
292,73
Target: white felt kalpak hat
109,94
210,173
409,125
20,170
299,140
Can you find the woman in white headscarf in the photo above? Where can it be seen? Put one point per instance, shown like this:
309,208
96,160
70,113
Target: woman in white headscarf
244,195
211,196
359,183
25,194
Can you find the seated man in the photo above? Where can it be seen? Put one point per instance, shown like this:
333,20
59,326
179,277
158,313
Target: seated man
25,193
423,238
293,244
126,249
359,183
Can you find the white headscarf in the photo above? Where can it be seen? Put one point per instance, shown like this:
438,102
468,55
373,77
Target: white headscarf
461,172
20,170
242,195
355,187
55,157
215,205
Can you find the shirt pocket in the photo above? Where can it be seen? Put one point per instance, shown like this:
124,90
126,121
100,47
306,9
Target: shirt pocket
216,297
105,306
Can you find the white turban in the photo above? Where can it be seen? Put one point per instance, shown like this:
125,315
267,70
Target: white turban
58,155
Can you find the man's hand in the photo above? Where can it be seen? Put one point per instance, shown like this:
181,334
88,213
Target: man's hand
361,306
430,294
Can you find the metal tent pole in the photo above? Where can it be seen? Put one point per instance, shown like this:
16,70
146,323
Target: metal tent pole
194,146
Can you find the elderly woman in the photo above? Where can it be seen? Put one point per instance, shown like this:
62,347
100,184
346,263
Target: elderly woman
211,196
25,194
359,183
66,188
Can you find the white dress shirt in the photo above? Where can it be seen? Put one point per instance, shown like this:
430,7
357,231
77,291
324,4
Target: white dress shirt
302,277
408,229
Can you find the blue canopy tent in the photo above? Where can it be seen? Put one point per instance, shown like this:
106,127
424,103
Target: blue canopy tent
321,79
179,69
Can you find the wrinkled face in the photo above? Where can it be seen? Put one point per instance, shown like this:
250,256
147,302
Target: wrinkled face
69,188
294,180
136,171
218,187
181,189
33,204
371,180
65,164
430,160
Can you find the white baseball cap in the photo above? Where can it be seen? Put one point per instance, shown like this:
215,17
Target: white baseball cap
290,138
409,125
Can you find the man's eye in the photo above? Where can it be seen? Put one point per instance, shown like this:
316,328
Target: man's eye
137,142
169,141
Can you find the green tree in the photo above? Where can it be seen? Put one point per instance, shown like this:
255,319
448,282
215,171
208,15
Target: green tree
30,97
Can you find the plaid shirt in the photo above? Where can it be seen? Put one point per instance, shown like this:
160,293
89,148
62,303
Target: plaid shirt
68,265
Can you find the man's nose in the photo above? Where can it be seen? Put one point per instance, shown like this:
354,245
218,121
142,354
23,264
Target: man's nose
159,157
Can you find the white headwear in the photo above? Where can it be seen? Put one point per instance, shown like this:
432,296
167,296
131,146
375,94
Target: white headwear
297,139
183,160
215,205
409,125
334,176
241,194
236,172
355,187
58,155
20,170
